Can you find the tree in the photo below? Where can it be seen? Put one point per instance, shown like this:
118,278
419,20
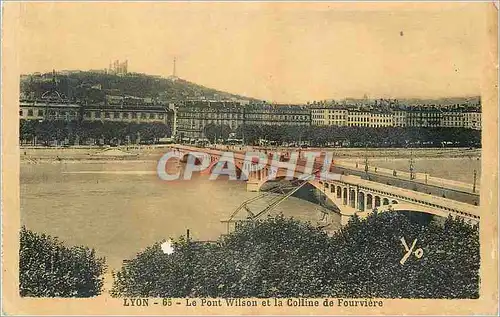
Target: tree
47,268
250,133
214,131
26,130
369,253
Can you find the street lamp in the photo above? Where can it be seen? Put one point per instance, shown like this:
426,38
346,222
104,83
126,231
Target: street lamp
412,175
475,178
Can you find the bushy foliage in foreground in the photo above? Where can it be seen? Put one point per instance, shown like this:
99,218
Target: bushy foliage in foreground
281,257
47,268
369,252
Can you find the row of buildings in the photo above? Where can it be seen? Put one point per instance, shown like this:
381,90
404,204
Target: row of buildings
69,112
55,107
427,117
189,118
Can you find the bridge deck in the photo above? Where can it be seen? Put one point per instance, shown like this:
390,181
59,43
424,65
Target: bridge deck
422,178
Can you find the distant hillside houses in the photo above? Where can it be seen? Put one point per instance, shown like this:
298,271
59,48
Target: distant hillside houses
93,86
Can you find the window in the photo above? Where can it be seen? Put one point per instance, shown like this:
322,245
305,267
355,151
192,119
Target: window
87,114
40,113
143,116
30,112
97,114
152,116
116,115
125,115
20,112
134,115
106,115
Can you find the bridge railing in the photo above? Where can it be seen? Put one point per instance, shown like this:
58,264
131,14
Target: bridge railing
240,155
413,197
421,177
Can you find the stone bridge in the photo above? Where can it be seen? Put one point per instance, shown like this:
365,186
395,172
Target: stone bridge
351,194
354,195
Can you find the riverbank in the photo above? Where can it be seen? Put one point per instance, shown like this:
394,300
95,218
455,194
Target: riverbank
154,152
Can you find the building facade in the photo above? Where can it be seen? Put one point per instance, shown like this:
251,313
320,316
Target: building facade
42,110
424,117
472,120
257,114
358,118
399,118
329,116
46,110
419,116
193,117
118,68
381,119
128,114
452,119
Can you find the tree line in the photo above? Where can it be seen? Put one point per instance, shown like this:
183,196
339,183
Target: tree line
109,132
94,132
280,257
349,136
274,257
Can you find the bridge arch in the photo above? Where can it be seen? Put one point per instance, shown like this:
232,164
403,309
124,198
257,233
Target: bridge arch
186,156
369,201
227,164
361,201
352,198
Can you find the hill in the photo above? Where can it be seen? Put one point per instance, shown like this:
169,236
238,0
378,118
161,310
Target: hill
94,86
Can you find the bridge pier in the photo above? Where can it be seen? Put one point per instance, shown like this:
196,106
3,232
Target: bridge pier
253,182
252,186
345,215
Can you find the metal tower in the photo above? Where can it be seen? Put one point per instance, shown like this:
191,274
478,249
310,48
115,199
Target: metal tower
174,70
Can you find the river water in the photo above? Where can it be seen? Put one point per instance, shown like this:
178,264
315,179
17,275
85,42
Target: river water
121,207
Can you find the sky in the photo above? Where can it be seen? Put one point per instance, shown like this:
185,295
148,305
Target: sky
280,52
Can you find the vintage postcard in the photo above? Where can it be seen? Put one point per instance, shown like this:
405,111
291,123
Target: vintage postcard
249,158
